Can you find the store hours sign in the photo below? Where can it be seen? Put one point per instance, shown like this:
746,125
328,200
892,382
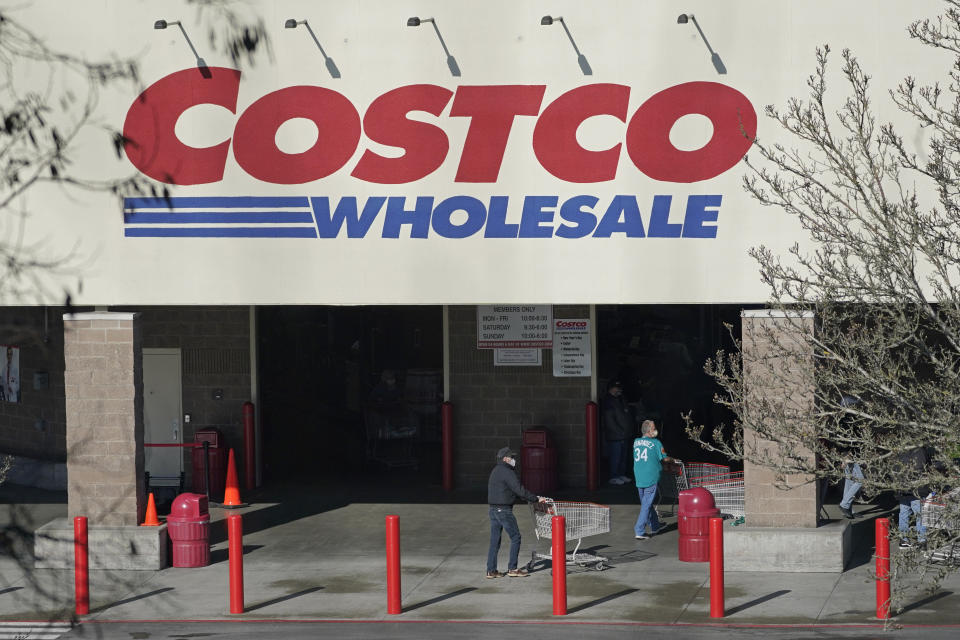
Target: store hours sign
515,326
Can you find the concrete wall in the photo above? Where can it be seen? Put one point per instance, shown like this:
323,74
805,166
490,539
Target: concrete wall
779,382
492,405
103,377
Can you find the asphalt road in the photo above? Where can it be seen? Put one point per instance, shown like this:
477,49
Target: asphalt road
253,630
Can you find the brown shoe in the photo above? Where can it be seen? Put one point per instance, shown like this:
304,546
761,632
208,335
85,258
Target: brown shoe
517,573
495,574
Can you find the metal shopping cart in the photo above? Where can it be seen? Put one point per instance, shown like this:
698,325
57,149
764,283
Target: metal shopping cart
941,516
727,490
582,519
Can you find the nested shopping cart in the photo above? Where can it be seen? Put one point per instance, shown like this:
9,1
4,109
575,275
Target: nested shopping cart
581,519
727,490
943,514
725,485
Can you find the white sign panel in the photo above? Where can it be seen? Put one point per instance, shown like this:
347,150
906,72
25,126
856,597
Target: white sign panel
571,348
384,168
514,326
517,357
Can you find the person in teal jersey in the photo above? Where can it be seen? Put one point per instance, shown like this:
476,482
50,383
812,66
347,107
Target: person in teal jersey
648,453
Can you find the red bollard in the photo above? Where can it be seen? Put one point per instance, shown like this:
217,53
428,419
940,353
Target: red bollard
591,423
249,446
558,554
716,568
235,550
883,568
81,560
393,566
446,438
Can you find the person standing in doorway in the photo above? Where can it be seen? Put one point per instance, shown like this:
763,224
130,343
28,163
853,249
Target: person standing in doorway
648,454
618,428
503,488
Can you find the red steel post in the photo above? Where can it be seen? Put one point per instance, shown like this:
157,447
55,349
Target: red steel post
591,423
81,566
249,446
558,553
393,565
446,437
716,568
235,550
882,534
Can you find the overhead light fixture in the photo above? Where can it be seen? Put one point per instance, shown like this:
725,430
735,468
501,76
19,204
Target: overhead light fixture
451,61
201,64
546,21
292,23
683,18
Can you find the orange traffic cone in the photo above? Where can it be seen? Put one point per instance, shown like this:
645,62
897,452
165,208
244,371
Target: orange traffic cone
150,520
231,494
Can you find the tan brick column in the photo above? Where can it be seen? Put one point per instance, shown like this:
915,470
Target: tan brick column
778,375
104,402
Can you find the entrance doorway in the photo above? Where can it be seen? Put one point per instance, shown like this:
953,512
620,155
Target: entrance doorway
162,408
658,352
321,369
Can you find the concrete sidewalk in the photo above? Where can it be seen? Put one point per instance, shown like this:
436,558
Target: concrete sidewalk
320,555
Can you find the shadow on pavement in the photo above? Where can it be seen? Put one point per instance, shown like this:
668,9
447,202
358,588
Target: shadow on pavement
753,603
929,599
221,555
446,596
9,589
289,596
593,603
133,599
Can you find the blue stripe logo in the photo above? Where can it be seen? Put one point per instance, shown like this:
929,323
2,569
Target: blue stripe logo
219,217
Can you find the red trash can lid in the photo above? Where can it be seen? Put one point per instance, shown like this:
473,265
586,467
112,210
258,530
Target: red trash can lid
189,506
697,502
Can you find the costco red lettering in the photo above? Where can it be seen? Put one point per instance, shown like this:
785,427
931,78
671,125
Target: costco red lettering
254,141
153,148
571,325
555,137
386,122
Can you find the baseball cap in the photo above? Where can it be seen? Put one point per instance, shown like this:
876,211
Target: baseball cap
614,383
506,452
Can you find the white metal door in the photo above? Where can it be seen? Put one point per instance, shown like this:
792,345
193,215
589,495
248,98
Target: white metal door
161,415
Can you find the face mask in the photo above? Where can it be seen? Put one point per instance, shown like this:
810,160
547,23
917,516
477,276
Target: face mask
512,462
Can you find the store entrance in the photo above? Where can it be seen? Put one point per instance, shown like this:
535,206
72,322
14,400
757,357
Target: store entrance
350,392
657,352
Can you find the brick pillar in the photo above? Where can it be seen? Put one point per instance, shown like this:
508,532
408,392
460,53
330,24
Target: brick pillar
778,374
104,401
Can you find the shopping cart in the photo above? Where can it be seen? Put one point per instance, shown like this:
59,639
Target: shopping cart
582,519
673,480
727,490
695,472
941,516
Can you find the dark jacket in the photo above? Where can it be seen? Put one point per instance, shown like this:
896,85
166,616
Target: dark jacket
618,423
504,487
915,463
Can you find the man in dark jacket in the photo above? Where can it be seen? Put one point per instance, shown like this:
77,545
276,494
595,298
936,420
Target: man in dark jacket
503,488
618,430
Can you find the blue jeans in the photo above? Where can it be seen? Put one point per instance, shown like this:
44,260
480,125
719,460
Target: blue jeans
615,458
906,507
851,484
501,518
648,515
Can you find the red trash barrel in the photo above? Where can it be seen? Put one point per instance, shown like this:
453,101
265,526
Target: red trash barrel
218,463
538,462
188,526
693,521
